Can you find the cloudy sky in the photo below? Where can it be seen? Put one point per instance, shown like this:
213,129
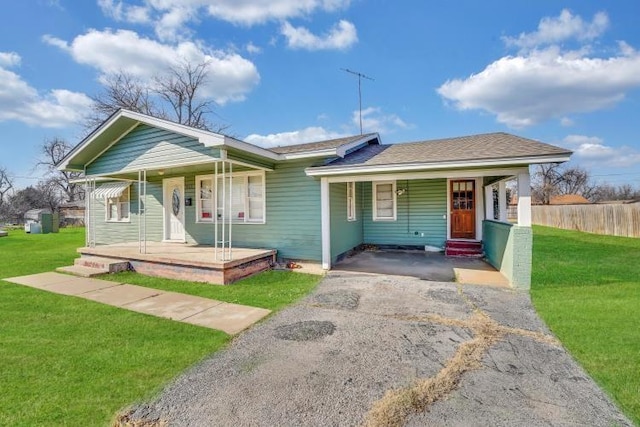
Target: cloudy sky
566,73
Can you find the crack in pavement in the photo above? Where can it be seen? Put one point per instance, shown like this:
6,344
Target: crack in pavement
397,405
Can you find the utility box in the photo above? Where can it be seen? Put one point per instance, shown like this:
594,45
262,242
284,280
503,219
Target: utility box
46,221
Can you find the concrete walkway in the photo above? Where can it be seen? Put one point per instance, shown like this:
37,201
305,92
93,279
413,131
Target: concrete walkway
230,318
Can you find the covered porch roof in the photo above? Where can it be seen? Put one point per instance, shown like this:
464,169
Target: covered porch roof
468,152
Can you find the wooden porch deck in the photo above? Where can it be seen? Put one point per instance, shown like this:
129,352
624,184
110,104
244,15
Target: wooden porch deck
186,262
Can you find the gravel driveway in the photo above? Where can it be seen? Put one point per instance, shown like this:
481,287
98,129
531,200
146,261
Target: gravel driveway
389,350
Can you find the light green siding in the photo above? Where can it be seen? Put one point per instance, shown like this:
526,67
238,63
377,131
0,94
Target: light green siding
292,215
146,147
122,232
508,248
345,235
420,219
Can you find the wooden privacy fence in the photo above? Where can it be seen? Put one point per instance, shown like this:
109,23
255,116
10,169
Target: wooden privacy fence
614,220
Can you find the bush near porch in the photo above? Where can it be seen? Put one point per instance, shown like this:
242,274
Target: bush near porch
69,361
586,287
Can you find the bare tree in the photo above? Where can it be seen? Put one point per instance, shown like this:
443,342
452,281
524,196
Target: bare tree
176,95
6,185
553,179
53,151
180,88
122,90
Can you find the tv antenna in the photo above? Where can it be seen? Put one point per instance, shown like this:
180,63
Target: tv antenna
360,77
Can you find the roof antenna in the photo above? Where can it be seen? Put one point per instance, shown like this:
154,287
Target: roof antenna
360,77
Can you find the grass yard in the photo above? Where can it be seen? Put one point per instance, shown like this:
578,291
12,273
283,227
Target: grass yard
69,361
587,289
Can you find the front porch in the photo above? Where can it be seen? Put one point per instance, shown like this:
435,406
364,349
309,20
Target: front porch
183,261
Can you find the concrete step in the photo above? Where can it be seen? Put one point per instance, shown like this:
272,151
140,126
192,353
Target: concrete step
82,271
466,253
464,244
463,248
109,264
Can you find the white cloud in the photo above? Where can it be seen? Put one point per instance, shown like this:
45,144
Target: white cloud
341,36
548,83
21,102
171,17
566,122
374,120
566,26
230,77
593,151
252,48
309,134
9,59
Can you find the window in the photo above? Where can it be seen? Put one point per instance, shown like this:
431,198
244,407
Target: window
384,201
117,208
246,198
351,201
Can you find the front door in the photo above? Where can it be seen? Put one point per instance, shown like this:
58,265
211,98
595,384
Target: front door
463,209
173,197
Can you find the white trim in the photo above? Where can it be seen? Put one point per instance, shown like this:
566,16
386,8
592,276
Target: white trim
374,199
239,145
462,164
351,202
488,202
463,174
165,183
116,194
502,201
479,200
246,174
325,218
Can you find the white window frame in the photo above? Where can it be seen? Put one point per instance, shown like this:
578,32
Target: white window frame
374,192
120,207
351,201
245,175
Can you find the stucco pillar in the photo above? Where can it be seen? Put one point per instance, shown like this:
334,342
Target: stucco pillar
325,217
524,199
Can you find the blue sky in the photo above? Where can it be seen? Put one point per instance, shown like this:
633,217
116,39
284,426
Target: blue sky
566,73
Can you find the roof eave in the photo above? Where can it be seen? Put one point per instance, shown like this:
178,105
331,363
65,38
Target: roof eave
340,151
462,164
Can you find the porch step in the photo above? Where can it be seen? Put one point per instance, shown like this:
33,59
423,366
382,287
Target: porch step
110,265
82,271
463,248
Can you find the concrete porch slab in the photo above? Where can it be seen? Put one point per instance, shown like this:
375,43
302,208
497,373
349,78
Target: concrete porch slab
231,318
121,295
172,305
469,276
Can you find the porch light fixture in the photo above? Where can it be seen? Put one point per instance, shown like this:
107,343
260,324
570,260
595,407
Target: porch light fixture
161,172
400,191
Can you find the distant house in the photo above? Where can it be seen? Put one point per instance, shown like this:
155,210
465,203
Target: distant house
151,180
568,199
618,202
72,213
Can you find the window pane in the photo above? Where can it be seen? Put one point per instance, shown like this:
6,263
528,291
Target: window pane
255,210
206,189
124,210
255,186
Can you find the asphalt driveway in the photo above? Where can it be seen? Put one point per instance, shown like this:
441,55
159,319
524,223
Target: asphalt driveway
389,350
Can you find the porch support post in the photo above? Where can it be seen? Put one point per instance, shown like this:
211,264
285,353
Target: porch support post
325,216
524,199
488,202
502,201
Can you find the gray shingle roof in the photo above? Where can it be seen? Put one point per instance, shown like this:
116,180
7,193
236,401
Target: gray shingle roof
474,147
321,145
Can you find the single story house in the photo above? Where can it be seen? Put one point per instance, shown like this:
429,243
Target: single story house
152,180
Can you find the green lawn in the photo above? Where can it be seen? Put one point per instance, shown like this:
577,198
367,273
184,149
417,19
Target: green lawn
587,289
69,361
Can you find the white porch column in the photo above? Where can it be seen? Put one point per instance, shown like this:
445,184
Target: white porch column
524,199
325,217
502,201
488,200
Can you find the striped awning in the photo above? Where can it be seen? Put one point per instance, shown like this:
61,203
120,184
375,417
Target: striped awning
110,189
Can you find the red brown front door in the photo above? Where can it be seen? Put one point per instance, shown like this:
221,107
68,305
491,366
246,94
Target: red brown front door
463,209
